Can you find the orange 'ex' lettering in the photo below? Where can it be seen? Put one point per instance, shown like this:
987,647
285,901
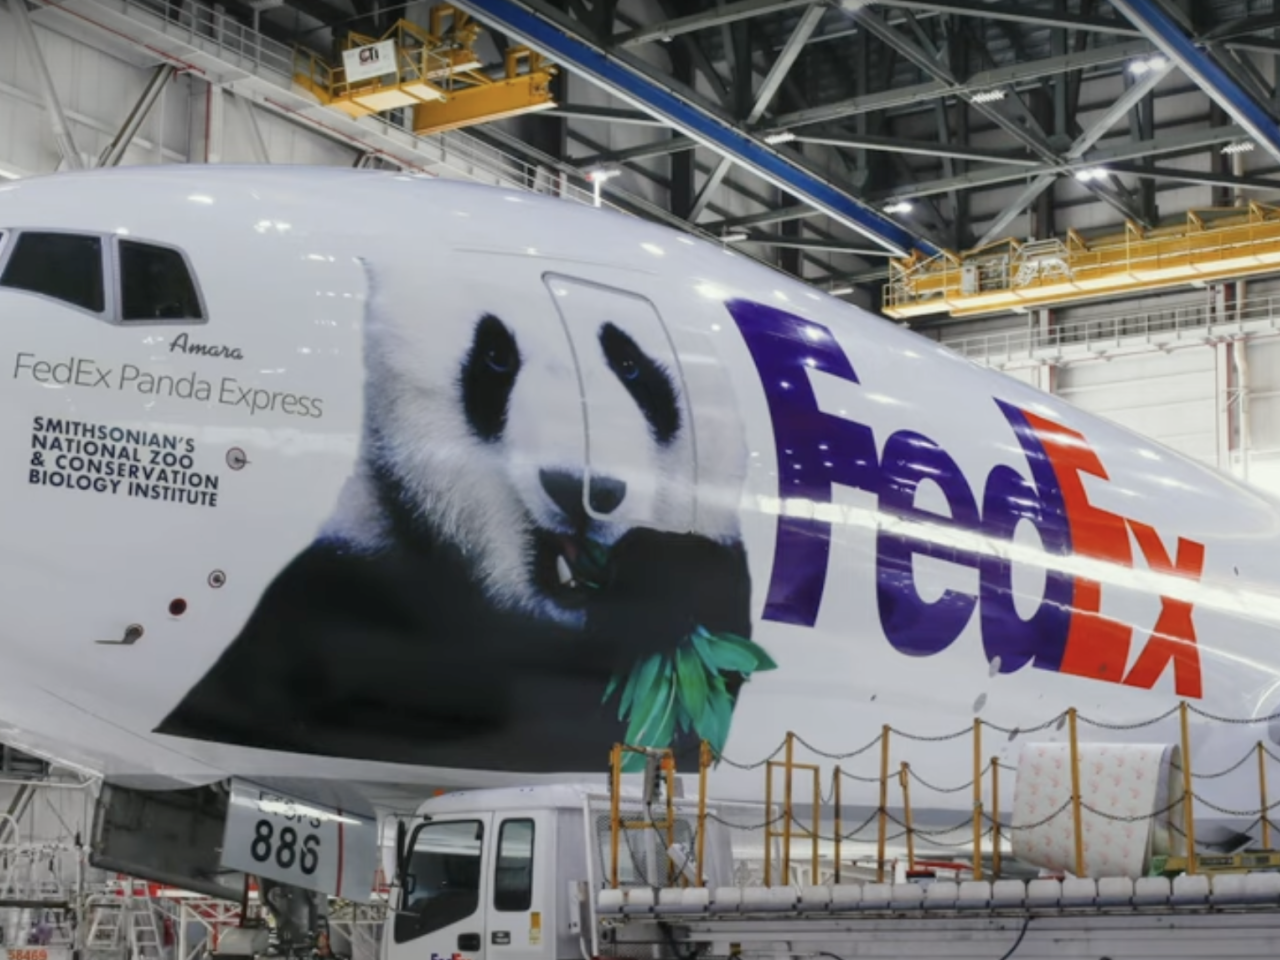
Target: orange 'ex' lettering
1174,636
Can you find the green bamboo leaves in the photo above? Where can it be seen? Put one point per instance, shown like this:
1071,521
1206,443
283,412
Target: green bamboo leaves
685,690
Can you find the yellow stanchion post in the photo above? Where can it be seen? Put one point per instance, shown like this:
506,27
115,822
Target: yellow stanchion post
977,799
995,818
669,767
817,820
1076,812
615,811
836,790
788,759
704,761
904,776
768,823
1188,800
1262,788
884,802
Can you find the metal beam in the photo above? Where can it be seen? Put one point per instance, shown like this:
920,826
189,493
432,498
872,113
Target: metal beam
777,215
1010,114
1159,27
1016,12
579,111
1082,145
917,93
785,59
558,37
1197,176
920,148
114,151
721,15
1194,141
1012,74
821,246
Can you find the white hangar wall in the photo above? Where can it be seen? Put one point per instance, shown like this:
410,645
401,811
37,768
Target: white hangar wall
98,89
1214,399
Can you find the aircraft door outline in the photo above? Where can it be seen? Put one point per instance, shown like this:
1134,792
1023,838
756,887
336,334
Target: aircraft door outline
590,312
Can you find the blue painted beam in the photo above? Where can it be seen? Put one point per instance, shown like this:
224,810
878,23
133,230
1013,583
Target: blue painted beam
1160,29
612,73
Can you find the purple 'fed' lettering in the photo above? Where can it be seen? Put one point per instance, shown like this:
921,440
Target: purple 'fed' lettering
815,450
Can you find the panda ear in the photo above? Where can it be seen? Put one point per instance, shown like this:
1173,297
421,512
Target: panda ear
488,374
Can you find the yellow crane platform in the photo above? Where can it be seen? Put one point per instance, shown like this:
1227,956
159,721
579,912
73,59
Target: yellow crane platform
434,70
1221,243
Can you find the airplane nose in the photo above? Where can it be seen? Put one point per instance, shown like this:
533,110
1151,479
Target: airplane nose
565,490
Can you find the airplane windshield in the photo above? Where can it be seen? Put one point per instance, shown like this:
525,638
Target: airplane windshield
442,879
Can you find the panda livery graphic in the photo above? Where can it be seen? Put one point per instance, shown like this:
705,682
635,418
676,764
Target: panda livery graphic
537,553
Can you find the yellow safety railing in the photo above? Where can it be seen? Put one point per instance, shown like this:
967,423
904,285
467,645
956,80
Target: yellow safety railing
786,828
1210,244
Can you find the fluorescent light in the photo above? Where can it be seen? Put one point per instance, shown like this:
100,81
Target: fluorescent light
736,236
901,206
1240,146
782,136
840,291
987,96
1139,67
1091,173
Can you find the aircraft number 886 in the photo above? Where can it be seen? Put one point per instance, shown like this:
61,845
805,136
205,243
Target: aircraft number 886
286,848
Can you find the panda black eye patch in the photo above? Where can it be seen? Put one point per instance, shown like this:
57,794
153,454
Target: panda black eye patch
646,380
488,374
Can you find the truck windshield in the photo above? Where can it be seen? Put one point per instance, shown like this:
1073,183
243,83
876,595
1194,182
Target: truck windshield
443,878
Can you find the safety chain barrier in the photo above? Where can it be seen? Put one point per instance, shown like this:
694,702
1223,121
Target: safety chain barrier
985,821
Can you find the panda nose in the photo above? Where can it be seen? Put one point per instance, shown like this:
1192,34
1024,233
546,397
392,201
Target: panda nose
604,494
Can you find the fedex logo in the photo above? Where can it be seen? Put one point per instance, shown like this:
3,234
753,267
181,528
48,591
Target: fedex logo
1068,634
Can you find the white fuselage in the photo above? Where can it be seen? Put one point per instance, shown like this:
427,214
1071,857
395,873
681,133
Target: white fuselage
927,542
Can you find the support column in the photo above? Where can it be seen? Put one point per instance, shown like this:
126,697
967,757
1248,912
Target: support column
255,131
1223,419
115,150
214,123
57,119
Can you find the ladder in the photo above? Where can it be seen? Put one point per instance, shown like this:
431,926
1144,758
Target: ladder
107,925
145,941
125,925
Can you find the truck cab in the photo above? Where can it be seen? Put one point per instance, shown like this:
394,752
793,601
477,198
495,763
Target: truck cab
513,873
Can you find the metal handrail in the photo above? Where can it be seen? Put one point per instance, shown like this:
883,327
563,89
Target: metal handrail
1116,329
255,53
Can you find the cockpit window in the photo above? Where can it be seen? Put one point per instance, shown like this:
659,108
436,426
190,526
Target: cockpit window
64,266
156,284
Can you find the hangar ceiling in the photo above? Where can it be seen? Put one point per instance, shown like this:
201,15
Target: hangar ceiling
856,129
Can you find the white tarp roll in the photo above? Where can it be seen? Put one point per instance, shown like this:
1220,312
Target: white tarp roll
1138,783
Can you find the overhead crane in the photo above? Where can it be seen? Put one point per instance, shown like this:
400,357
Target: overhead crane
433,70
1209,245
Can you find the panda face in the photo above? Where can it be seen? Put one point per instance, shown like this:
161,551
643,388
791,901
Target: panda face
616,457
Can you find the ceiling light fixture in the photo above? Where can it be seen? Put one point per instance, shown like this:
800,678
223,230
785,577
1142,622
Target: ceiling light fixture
987,96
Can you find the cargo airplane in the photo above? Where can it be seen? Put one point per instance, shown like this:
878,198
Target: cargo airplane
333,482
